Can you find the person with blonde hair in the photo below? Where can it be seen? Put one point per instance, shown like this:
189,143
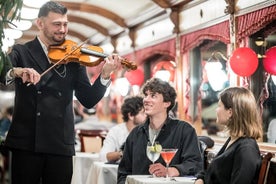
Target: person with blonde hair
239,160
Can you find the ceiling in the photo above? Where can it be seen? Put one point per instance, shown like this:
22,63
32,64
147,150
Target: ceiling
102,20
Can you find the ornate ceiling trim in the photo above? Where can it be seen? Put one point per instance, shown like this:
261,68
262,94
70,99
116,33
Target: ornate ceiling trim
84,7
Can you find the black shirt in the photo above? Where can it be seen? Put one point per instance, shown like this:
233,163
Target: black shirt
239,163
173,134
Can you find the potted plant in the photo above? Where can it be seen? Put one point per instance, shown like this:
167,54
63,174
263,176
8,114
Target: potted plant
9,10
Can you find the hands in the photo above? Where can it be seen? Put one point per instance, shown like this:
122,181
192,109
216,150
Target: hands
114,156
26,74
199,181
159,170
112,63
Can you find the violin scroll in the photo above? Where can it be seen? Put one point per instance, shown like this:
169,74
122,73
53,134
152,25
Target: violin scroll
129,65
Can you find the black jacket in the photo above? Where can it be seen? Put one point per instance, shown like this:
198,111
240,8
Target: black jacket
240,163
174,134
43,113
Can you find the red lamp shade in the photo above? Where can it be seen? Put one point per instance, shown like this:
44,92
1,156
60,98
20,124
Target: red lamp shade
244,61
135,77
269,61
165,65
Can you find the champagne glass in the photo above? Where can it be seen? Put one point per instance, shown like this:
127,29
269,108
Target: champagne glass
153,151
167,154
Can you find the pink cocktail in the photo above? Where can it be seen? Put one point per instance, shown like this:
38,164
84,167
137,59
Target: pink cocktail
167,155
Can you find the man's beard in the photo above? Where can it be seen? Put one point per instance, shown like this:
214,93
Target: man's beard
58,41
55,38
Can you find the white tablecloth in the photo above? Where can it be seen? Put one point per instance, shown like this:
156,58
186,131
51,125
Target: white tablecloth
101,173
82,163
146,179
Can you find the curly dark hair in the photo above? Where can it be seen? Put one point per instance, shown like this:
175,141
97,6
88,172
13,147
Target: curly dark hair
132,105
51,6
156,85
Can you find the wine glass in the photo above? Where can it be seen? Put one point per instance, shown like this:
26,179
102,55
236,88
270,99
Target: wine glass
153,151
167,154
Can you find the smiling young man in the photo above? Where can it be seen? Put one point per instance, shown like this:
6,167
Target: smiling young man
133,114
159,99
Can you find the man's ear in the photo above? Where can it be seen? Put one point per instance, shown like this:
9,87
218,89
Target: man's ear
39,23
167,104
130,117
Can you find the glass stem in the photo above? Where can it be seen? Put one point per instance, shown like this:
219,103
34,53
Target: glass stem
167,170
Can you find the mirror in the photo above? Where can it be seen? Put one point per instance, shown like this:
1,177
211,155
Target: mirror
214,80
269,111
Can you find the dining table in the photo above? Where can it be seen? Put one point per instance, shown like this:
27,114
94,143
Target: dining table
148,179
102,173
82,163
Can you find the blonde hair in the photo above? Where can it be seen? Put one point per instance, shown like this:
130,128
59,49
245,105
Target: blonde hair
246,120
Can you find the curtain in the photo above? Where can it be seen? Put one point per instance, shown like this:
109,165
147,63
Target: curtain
218,32
250,23
166,48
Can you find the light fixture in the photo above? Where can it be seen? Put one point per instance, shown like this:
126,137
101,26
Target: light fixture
28,13
34,4
135,89
216,71
164,70
8,41
215,57
163,74
273,77
122,86
13,33
21,24
259,41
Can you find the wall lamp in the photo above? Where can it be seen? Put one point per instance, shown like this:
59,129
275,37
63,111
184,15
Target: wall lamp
216,71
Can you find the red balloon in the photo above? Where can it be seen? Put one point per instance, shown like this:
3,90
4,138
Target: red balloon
269,61
135,77
244,61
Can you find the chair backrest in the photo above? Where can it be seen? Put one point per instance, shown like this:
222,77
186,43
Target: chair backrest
91,140
266,157
204,143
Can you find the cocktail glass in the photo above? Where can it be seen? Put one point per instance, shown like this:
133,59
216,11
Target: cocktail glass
167,155
153,151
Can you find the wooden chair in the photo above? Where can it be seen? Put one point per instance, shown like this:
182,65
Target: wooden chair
91,140
264,167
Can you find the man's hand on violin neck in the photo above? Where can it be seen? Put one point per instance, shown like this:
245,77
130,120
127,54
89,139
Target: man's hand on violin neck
112,63
26,74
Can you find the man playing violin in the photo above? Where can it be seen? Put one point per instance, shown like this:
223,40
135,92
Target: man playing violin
41,136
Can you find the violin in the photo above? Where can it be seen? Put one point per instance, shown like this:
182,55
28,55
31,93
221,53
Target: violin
88,55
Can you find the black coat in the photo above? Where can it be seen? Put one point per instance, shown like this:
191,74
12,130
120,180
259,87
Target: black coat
43,119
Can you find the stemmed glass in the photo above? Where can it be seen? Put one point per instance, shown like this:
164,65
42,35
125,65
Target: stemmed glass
167,155
153,151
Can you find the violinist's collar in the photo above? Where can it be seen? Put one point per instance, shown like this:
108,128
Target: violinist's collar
44,47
